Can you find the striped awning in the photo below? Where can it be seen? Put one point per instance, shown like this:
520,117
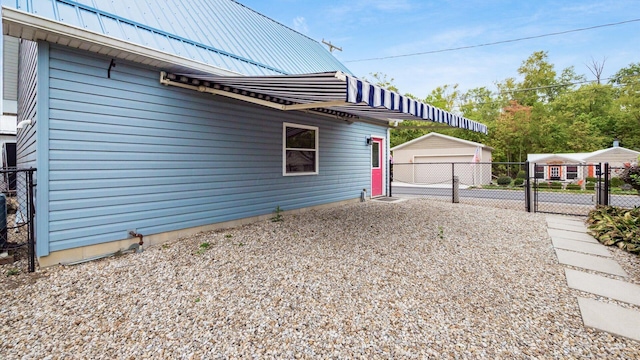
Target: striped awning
333,93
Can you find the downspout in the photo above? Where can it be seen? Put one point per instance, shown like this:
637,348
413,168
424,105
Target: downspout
140,236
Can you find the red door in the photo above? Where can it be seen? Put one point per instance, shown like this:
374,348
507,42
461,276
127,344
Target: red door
376,166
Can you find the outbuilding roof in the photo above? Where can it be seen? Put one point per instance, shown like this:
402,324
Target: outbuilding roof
435,134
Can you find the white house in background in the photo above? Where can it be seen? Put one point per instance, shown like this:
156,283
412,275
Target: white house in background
578,166
436,152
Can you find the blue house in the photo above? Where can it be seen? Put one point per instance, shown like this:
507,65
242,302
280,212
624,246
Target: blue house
169,118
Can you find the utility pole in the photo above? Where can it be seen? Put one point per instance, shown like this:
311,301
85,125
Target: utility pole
331,46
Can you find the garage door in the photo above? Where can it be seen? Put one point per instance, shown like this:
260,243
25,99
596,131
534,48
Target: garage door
437,169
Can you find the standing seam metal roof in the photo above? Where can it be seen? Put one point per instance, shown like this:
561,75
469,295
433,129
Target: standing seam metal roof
223,33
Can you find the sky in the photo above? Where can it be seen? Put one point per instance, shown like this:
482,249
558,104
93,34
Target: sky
366,29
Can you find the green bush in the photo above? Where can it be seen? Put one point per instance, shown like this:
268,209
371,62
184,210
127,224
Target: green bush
590,186
573,187
592,179
521,175
504,181
540,184
631,176
616,226
518,182
556,185
616,182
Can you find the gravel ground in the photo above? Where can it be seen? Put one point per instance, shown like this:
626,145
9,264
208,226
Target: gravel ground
413,279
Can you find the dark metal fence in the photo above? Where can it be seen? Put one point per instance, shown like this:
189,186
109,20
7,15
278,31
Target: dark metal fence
470,183
621,194
569,189
17,220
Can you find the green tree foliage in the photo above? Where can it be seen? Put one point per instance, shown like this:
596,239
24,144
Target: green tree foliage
627,105
538,111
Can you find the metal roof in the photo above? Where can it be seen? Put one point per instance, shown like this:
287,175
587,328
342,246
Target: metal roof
442,136
578,157
220,33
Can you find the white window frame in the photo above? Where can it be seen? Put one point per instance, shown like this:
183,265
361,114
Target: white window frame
285,125
566,172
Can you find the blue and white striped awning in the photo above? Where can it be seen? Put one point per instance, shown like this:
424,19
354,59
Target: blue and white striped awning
361,92
333,93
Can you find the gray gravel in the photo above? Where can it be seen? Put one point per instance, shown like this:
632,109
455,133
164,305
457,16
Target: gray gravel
374,280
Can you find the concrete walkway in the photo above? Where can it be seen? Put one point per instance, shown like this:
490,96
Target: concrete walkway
574,247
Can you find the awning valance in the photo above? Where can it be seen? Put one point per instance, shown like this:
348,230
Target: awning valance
333,93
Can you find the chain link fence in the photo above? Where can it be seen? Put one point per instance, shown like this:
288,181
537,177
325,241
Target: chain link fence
569,189
621,194
17,241
470,183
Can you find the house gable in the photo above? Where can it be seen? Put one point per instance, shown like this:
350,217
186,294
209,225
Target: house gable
555,159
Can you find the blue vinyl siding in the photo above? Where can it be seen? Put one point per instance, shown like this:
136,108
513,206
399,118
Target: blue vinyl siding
26,139
128,152
27,104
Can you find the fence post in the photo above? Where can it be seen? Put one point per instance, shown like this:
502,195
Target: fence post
390,175
527,187
453,181
456,190
30,218
605,188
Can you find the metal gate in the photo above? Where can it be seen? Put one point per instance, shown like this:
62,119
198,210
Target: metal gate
17,220
568,189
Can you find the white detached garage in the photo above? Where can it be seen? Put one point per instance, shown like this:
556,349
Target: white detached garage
428,160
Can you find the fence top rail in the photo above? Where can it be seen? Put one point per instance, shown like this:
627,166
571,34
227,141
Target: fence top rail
461,162
14,170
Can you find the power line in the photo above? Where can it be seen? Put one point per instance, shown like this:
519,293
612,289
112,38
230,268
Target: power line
495,43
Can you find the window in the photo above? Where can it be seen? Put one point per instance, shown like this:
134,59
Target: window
555,172
539,172
572,172
300,149
375,155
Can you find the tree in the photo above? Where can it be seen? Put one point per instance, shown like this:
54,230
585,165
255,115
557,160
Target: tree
596,68
539,77
380,79
627,104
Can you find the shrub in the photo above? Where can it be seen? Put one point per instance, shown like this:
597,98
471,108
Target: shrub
590,186
616,182
540,184
631,176
592,179
616,226
518,182
556,185
573,187
521,175
504,180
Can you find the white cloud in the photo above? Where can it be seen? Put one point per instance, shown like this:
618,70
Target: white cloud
300,24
